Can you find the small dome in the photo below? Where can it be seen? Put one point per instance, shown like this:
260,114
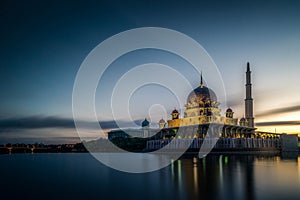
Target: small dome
162,121
145,123
175,111
229,110
242,119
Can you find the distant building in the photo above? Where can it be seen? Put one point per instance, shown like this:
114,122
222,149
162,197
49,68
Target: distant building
143,132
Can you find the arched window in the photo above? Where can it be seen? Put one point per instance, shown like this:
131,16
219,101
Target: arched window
201,112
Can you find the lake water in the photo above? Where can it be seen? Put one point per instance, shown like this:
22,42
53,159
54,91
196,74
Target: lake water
80,176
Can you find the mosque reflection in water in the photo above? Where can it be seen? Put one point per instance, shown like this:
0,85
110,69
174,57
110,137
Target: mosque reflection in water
235,177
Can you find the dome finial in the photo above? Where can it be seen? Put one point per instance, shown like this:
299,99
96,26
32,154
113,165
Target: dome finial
201,80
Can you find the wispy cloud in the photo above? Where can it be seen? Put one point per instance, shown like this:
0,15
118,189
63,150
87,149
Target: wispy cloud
279,111
36,122
278,123
52,130
40,122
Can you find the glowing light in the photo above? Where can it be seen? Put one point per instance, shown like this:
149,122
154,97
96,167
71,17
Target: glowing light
226,160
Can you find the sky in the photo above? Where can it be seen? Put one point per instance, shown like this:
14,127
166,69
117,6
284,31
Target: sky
44,43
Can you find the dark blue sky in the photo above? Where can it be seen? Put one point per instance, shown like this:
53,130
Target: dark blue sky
43,44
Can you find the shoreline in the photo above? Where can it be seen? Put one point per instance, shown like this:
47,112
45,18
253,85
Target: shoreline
187,153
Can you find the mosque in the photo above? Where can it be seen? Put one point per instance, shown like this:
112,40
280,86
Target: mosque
202,111
202,121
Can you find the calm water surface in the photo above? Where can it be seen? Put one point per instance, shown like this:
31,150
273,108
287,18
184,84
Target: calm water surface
80,176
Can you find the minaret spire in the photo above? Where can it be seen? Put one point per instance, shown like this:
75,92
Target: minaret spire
248,66
201,81
249,100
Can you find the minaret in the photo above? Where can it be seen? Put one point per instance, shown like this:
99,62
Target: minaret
249,100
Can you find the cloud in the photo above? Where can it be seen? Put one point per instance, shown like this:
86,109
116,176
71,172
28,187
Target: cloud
40,122
279,111
52,130
278,123
36,122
